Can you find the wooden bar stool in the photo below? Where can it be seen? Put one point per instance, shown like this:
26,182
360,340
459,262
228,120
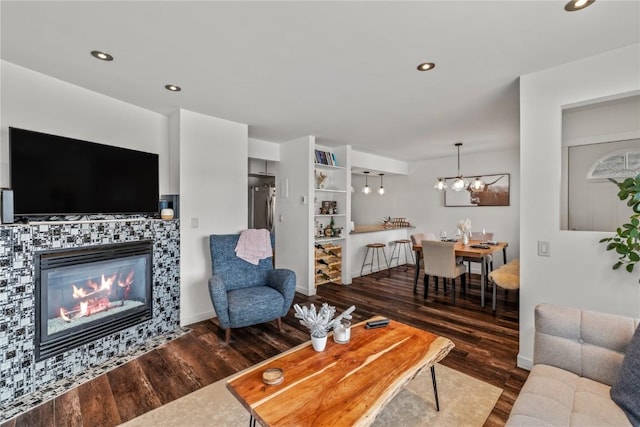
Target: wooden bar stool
375,252
408,252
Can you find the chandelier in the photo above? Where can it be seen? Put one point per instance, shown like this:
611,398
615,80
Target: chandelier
459,183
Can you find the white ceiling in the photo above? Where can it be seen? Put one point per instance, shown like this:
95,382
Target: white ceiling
342,71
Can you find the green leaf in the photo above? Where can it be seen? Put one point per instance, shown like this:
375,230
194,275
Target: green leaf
628,182
622,249
633,256
611,246
630,268
606,239
617,265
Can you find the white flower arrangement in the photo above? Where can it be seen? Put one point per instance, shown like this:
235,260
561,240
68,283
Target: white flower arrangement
320,322
464,225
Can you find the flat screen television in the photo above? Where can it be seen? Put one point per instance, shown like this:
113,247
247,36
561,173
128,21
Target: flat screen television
59,176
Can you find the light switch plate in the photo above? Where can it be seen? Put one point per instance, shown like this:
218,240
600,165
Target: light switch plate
544,248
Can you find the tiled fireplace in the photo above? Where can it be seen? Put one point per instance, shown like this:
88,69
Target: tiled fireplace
114,282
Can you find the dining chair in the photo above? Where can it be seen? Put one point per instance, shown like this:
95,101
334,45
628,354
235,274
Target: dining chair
487,236
415,240
440,261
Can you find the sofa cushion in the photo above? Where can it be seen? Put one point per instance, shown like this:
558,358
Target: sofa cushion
626,390
554,397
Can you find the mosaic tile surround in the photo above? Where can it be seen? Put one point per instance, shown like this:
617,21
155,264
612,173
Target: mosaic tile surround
20,375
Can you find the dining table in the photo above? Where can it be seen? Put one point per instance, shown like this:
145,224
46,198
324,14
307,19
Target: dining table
474,249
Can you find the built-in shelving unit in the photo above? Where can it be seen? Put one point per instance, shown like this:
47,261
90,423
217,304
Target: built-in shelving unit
331,212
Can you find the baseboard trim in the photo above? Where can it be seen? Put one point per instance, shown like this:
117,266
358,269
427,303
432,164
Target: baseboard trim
195,318
524,362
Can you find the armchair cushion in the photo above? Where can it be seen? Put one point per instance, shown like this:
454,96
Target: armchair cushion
248,306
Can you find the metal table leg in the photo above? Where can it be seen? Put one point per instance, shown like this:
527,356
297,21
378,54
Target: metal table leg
416,274
435,387
483,275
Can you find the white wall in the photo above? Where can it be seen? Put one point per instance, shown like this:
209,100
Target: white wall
578,273
35,101
213,196
265,150
367,161
294,234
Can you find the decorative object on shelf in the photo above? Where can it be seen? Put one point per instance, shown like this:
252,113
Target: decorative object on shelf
460,183
494,193
626,241
166,213
321,322
465,228
320,178
366,190
381,189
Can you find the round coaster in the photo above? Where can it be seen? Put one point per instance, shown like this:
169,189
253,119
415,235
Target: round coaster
273,376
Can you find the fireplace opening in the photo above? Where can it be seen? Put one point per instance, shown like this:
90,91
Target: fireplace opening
83,294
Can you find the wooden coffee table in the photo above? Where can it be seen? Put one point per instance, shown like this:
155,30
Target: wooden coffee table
347,384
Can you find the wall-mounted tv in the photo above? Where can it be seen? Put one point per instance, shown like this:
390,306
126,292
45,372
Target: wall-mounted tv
59,176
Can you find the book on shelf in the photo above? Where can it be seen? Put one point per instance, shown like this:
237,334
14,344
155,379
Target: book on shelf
326,158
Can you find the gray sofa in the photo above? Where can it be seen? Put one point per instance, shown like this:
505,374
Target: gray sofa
577,357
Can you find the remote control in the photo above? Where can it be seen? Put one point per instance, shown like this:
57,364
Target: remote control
381,323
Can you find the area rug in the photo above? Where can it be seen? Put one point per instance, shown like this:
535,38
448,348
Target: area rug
463,401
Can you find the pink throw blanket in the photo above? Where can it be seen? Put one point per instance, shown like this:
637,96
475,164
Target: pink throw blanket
254,245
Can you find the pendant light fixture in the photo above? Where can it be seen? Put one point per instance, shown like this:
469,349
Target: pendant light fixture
477,184
441,185
366,190
460,183
381,189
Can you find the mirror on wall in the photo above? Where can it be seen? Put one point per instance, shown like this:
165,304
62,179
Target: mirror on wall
600,141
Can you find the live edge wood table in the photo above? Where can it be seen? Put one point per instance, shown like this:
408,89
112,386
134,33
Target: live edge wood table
344,385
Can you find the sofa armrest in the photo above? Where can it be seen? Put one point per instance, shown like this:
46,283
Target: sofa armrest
218,293
588,343
284,281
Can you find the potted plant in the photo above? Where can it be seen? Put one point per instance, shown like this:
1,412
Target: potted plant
320,322
626,241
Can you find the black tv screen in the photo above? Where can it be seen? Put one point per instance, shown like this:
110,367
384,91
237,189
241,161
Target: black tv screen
54,175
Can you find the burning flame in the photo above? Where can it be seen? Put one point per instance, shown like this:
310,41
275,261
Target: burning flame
84,305
78,292
106,283
127,281
96,297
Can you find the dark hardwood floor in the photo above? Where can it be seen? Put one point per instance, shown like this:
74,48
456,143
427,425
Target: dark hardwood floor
486,346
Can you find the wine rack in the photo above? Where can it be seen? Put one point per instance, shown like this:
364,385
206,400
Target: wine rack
328,263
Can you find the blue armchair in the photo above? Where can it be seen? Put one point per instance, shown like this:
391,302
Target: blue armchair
244,294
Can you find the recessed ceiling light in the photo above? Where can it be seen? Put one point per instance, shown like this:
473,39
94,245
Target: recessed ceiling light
173,88
426,66
101,55
574,5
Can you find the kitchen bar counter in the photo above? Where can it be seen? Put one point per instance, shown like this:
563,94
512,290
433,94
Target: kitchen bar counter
377,227
365,234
